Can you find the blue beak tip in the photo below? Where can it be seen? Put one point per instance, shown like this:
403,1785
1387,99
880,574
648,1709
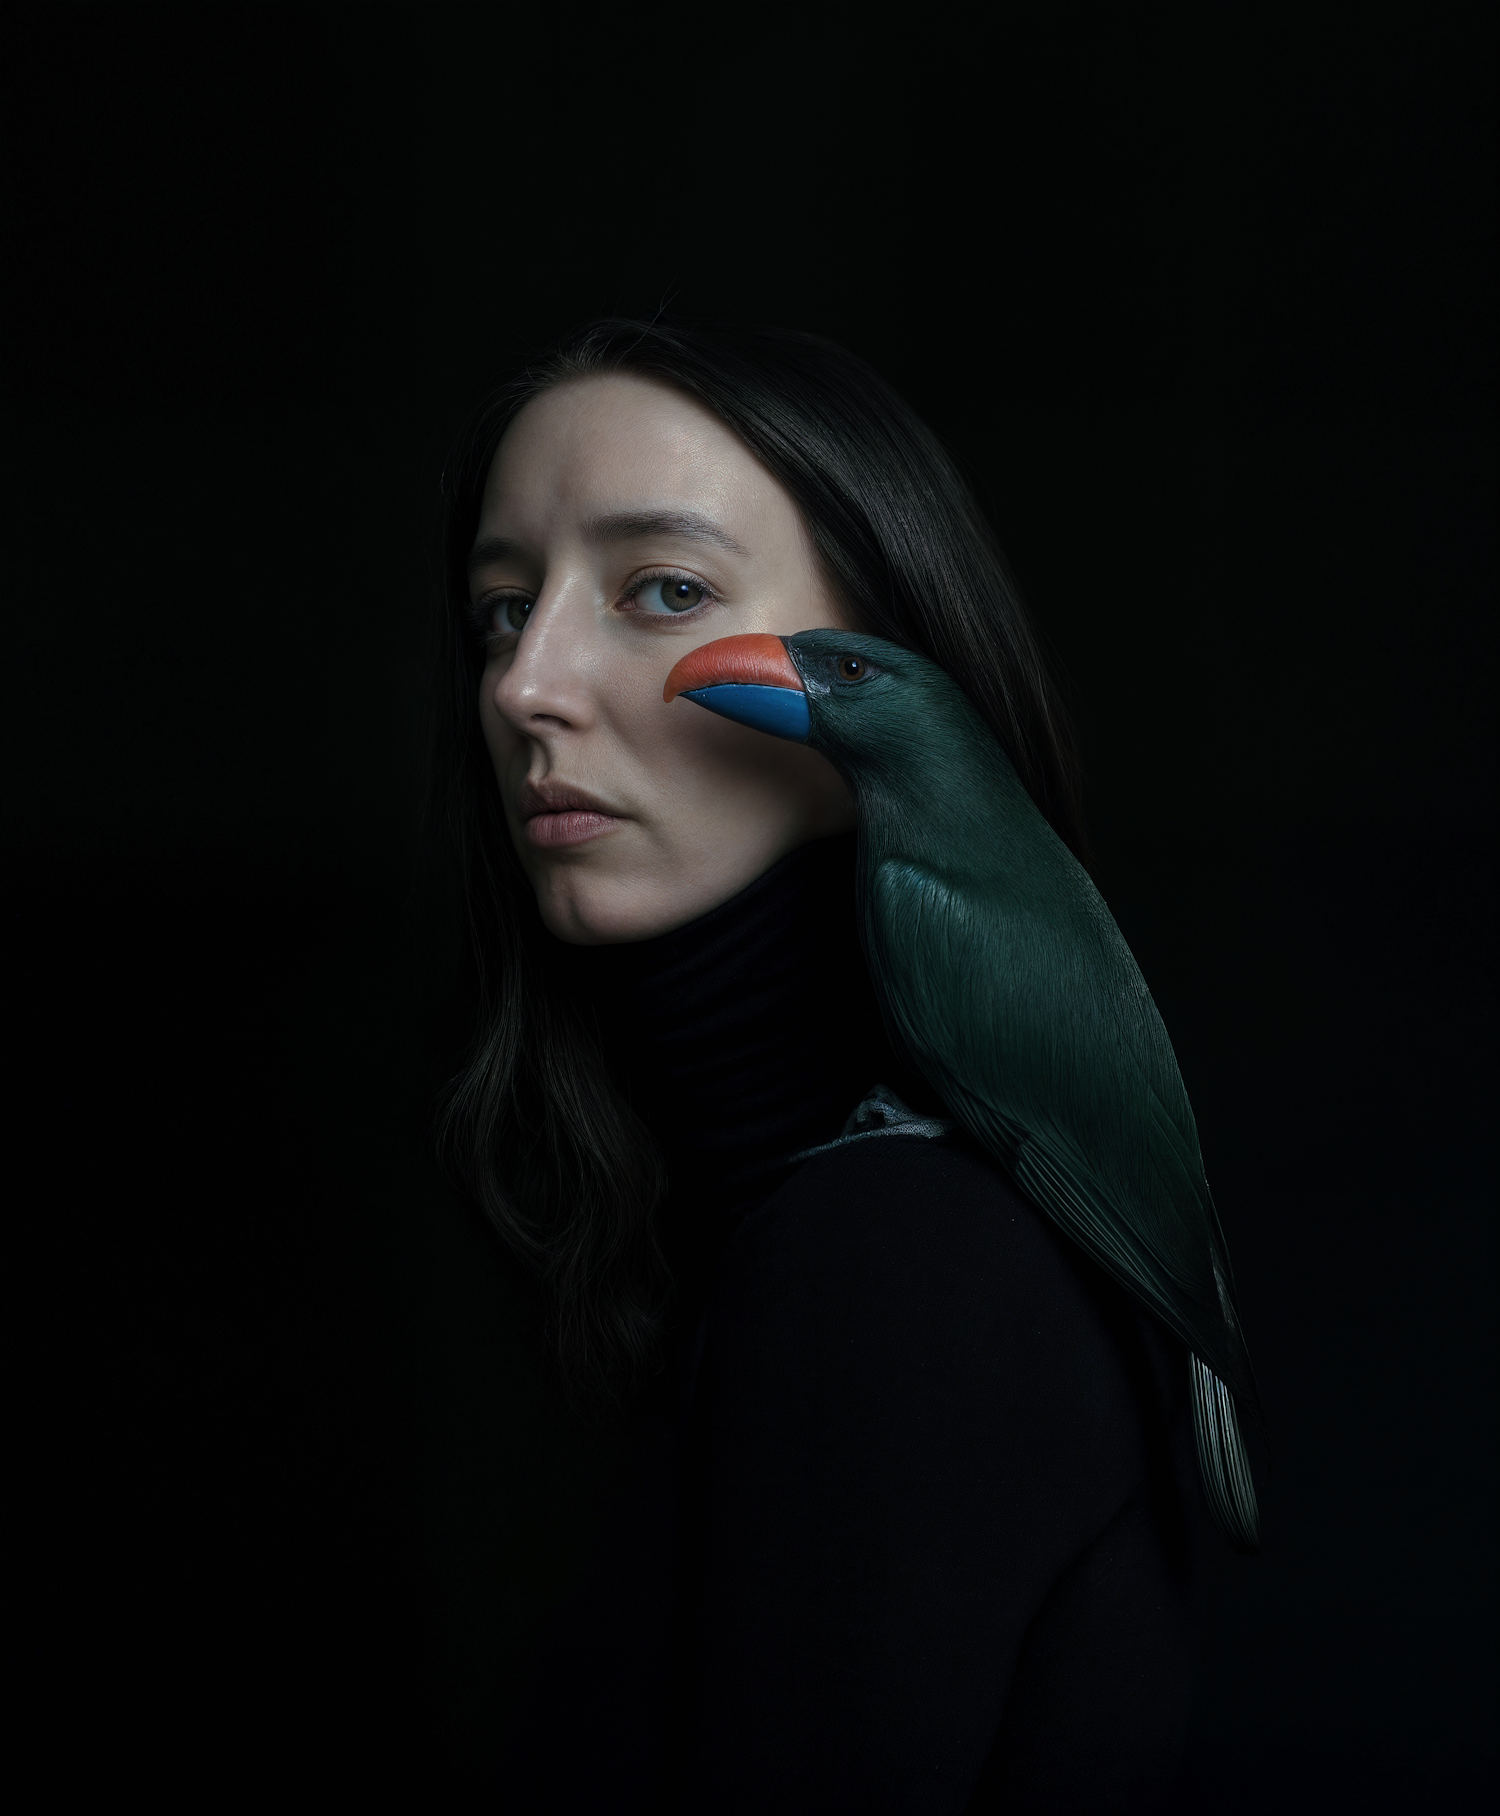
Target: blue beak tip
781,711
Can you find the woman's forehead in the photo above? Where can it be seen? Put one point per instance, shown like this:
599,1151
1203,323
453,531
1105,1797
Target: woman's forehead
598,446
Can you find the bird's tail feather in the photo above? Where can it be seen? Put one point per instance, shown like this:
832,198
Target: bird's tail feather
1222,1462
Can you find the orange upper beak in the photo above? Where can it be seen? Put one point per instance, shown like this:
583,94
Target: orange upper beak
755,660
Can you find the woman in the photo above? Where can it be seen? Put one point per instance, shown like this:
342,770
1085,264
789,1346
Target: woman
914,1530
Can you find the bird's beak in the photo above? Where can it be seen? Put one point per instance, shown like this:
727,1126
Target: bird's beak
750,679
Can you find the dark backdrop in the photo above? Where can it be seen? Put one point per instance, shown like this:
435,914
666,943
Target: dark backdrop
1202,302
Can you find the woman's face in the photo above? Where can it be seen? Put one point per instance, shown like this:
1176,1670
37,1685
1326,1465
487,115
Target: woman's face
623,524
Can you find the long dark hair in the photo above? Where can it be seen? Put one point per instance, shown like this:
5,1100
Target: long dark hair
533,1124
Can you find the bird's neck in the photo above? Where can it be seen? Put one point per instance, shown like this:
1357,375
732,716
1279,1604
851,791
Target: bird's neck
960,812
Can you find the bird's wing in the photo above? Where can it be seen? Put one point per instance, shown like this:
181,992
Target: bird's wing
1013,1019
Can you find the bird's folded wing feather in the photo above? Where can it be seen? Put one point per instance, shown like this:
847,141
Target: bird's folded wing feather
1044,1042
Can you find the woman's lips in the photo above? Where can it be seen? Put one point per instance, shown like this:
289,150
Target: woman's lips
571,826
554,816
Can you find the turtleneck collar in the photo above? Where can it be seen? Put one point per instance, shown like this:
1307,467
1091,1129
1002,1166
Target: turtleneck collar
748,1035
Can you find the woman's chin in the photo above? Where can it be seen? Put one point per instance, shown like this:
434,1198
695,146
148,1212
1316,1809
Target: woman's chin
602,915
602,905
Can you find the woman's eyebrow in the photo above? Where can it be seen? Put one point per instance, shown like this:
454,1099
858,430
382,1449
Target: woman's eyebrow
621,526
688,526
492,548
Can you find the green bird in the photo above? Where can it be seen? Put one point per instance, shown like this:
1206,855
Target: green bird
1003,974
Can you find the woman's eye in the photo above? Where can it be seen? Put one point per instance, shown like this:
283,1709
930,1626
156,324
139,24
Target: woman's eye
510,615
672,594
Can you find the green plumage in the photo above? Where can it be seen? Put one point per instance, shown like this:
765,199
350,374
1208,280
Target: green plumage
1005,976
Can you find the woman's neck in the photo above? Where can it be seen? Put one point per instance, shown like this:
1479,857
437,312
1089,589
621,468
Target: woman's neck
745,1036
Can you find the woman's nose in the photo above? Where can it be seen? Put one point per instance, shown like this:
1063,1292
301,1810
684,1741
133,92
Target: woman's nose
545,685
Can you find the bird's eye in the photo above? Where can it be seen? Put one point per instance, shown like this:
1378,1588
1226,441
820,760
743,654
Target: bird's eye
672,593
851,668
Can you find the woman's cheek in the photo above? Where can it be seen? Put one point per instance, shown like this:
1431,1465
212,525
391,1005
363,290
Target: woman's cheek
500,735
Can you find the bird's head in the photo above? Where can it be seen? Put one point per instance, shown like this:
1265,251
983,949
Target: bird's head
929,776
857,699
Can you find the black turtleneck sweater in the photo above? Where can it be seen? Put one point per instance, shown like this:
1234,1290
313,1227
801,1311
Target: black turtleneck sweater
741,1039
912,1530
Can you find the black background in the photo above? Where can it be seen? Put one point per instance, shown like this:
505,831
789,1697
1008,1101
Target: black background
1202,300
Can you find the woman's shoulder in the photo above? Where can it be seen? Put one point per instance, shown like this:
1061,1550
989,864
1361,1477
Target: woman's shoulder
903,1266
903,1208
